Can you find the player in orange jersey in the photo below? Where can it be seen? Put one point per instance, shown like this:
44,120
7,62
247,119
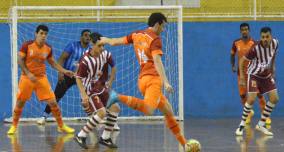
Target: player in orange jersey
31,58
148,49
240,47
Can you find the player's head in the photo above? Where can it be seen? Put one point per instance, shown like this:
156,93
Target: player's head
97,47
265,36
157,21
85,36
244,28
41,33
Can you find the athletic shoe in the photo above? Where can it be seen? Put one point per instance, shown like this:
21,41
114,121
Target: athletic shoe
81,141
107,142
65,129
264,130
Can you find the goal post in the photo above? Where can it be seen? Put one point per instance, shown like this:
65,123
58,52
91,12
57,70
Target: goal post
65,24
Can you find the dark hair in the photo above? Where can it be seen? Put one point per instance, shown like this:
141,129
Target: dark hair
244,25
42,27
85,30
265,29
156,18
95,37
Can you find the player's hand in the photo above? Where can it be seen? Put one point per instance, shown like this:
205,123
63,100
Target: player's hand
69,73
168,88
234,69
85,100
31,77
60,77
242,81
109,84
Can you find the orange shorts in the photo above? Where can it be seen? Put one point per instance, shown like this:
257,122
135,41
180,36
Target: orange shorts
242,89
151,88
41,87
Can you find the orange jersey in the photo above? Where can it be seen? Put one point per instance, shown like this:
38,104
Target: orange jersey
146,44
35,57
241,47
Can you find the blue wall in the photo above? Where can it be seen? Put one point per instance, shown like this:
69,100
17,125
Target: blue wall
5,72
210,87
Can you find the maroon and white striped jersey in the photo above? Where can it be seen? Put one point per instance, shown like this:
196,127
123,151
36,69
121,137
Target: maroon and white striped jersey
94,71
262,59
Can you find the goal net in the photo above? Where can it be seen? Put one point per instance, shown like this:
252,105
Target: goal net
65,25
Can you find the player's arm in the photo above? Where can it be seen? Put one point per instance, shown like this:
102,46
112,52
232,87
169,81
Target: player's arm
83,93
21,62
112,76
58,67
113,41
233,53
241,67
82,72
111,63
63,57
161,71
249,56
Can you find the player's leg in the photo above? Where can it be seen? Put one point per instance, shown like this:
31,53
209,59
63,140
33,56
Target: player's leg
243,92
166,108
93,121
262,103
60,90
111,121
44,93
252,93
25,90
147,106
267,86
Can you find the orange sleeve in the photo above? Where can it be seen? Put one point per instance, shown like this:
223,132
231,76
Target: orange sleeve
128,39
156,47
234,49
24,49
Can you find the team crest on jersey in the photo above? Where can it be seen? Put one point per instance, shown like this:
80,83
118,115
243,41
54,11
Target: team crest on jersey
253,83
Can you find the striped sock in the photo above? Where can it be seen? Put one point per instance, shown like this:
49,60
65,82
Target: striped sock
57,115
246,111
266,113
16,115
91,124
110,122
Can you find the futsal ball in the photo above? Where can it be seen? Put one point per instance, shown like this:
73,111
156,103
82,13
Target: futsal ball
193,145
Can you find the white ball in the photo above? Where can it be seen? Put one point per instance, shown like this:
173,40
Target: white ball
193,145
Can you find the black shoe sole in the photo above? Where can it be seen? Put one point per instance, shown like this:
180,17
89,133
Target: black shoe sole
109,146
80,144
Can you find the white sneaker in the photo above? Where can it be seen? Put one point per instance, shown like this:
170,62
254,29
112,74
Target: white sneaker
263,130
239,131
41,121
116,127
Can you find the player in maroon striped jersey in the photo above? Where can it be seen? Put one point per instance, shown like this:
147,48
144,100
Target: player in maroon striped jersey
92,81
261,73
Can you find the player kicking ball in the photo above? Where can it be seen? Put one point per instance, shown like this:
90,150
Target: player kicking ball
31,58
148,48
260,78
92,81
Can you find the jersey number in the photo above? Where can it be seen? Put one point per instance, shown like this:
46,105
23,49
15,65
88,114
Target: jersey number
142,56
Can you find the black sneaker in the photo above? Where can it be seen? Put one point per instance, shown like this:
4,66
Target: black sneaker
107,142
81,141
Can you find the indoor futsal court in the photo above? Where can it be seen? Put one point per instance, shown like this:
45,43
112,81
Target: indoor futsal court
142,76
